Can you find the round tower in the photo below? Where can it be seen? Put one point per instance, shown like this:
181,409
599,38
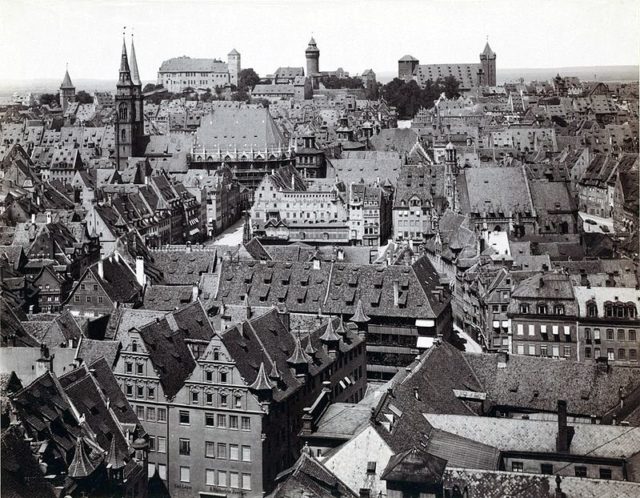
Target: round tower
313,58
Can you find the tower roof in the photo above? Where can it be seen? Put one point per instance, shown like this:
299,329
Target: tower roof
487,51
66,82
408,58
261,382
81,465
135,75
312,46
298,357
114,459
125,71
360,316
233,52
329,333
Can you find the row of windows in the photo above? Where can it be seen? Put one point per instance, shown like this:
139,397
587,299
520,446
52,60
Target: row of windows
221,478
220,420
547,468
221,451
544,329
611,354
223,399
99,300
621,335
152,414
140,392
543,350
542,309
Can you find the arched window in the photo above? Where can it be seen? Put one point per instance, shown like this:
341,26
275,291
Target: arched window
123,135
592,309
123,112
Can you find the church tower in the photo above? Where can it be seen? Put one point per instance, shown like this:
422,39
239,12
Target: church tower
313,58
488,65
129,122
450,174
67,91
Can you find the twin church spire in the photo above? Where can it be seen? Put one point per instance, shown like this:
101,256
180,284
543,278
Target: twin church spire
129,70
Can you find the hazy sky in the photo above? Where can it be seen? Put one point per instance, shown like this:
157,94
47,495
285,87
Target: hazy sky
37,37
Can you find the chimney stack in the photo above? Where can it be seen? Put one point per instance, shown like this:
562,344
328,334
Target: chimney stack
396,292
565,432
503,358
101,269
140,277
194,293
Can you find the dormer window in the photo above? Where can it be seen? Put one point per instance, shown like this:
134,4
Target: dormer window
592,310
542,309
524,309
558,309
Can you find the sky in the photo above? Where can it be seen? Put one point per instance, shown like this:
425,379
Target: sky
38,37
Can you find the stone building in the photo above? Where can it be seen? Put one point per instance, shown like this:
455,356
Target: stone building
180,73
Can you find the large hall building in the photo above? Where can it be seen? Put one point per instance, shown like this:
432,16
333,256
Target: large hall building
469,75
185,72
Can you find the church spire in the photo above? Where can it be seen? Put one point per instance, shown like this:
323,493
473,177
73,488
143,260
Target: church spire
66,82
125,72
135,75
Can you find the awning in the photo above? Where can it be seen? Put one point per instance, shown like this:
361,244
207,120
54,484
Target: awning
425,342
496,324
505,323
425,323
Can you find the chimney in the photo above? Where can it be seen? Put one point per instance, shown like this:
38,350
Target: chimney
503,358
194,293
565,432
101,269
33,218
396,292
284,317
48,217
293,181
316,264
340,254
140,277
188,246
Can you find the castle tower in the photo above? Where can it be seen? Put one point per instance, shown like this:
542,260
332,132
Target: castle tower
450,174
129,120
488,65
313,58
233,63
67,91
406,66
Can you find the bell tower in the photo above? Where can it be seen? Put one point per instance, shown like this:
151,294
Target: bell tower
67,91
129,118
488,65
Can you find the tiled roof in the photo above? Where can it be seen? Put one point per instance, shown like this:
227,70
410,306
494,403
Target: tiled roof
539,436
462,452
498,484
531,383
308,477
334,288
243,128
495,189
167,297
22,476
266,340
90,350
187,64
170,355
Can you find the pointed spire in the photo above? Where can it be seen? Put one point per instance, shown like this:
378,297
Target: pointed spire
298,357
261,382
114,460
329,333
81,465
309,349
275,373
341,328
359,316
66,82
487,50
135,75
125,71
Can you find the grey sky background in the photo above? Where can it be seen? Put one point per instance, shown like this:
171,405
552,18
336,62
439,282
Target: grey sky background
39,36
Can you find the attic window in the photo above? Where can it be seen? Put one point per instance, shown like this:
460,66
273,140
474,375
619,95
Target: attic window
371,467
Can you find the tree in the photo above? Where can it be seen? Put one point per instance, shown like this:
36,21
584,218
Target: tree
451,87
240,96
150,87
247,79
50,99
83,97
